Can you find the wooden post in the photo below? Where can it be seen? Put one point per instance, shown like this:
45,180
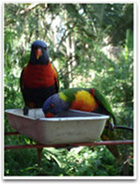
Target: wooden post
39,156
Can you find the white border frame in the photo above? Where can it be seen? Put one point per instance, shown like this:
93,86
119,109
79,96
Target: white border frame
128,178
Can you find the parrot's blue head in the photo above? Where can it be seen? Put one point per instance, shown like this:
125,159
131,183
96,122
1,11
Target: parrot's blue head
39,53
54,105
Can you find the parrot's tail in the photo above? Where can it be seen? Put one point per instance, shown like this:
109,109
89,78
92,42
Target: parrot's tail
108,135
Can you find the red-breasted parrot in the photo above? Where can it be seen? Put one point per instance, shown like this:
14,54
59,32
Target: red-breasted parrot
83,99
39,78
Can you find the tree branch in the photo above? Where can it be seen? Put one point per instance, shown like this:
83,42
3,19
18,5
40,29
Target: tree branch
29,8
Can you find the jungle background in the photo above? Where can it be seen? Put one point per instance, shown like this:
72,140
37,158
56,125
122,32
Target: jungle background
91,45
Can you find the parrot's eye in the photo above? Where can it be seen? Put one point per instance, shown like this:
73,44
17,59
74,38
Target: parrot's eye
51,105
45,48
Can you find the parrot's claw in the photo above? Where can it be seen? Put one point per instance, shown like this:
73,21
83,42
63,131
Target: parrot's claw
26,110
111,126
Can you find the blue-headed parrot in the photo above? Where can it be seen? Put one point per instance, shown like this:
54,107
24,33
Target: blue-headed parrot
39,78
83,99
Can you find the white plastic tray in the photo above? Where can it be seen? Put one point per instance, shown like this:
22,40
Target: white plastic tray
69,127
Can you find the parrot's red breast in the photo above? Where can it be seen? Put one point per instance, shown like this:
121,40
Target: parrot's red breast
36,76
38,82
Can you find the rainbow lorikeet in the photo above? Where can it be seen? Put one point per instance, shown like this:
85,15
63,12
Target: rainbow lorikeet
83,99
39,79
90,100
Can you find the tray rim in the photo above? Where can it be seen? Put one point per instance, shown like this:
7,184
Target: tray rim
96,116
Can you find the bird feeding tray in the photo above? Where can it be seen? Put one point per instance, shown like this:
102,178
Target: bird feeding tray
71,126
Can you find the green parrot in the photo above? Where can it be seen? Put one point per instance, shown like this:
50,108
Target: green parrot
83,99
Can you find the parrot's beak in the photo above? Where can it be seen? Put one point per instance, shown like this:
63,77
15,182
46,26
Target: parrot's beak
49,115
38,53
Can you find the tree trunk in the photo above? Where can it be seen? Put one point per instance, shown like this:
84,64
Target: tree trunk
37,24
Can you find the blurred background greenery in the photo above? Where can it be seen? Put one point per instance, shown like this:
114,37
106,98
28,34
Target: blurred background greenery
91,45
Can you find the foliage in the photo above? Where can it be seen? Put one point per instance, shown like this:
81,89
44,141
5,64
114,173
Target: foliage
90,45
79,161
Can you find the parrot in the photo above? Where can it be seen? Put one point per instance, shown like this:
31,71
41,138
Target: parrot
83,99
39,78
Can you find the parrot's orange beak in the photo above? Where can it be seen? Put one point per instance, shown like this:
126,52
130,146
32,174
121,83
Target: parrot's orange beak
38,53
49,115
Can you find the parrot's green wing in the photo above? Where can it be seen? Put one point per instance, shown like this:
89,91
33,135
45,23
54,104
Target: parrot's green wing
103,101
